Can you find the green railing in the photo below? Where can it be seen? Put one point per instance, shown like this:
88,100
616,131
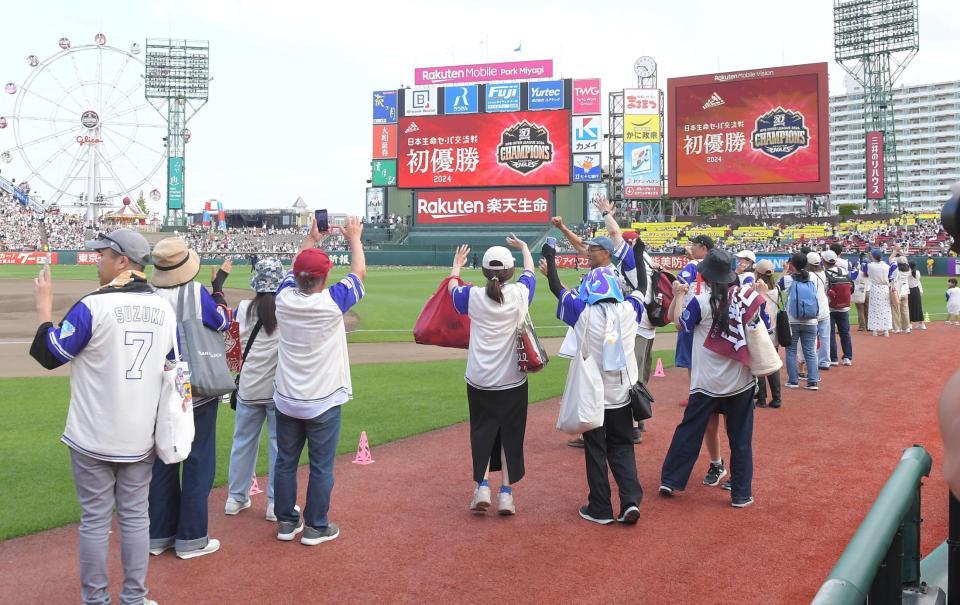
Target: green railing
883,557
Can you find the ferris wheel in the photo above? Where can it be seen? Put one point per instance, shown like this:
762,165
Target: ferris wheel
80,130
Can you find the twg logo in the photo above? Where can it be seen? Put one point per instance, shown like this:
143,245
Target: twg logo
524,147
780,133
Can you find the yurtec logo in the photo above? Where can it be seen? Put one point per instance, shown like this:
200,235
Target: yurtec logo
780,133
714,101
412,128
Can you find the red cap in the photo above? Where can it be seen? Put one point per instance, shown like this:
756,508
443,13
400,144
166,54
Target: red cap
313,261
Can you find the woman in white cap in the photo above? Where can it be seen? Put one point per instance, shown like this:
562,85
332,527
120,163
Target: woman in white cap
746,259
259,339
860,297
496,388
818,277
178,504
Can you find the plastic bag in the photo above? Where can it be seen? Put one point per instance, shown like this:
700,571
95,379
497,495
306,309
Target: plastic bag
439,323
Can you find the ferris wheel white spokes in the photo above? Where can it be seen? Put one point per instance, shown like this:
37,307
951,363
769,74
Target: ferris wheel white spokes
82,126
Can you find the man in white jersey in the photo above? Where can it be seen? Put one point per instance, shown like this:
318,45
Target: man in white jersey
312,381
118,339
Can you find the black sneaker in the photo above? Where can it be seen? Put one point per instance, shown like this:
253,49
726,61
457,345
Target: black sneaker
776,403
578,442
715,474
637,437
667,492
761,403
741,502
630,516
727,485
586,516
287,530
642,426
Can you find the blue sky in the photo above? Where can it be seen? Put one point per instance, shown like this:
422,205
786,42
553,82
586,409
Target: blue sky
289,110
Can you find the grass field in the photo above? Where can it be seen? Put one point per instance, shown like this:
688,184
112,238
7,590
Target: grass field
392,401
395,296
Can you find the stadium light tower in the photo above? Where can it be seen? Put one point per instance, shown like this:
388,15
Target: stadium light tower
874,40
177,85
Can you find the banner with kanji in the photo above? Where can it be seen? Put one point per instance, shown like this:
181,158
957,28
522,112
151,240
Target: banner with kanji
875,183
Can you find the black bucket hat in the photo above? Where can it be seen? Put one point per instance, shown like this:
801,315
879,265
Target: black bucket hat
717,267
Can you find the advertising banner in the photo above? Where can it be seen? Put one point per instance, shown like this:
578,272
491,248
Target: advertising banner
29,258
670,263
88,258
545,95
385,107
593,192
571,261
384,173
486,150
479,206
586,168
641,129
641,101
484,72
420,102
641,170
586,97
502,97
175,183
375,202
587,134
384,141
875,182
758,132
461,99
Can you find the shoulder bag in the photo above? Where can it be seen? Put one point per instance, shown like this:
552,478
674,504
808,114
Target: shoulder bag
531,356
203,347
581,406
174,429
243,360
784,335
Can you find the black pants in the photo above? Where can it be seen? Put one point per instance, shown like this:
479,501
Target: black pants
774,380
611,444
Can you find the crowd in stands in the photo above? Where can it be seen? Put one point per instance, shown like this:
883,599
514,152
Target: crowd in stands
243,239
20,228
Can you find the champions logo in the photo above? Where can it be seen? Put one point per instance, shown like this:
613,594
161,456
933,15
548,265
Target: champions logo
779,133
524,147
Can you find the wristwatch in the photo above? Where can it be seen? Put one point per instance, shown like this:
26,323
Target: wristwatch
604,213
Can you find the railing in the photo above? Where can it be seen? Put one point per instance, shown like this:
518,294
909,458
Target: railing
883,557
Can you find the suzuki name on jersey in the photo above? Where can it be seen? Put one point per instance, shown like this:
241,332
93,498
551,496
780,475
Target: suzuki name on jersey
138,313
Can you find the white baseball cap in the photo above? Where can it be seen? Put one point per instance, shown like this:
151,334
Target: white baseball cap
500,255
748,254
813,258
829,256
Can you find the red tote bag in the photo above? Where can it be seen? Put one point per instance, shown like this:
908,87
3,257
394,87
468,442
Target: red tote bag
439,323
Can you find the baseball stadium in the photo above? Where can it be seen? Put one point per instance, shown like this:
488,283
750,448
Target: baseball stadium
553,279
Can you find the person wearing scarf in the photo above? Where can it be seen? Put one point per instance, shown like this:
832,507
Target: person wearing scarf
720,377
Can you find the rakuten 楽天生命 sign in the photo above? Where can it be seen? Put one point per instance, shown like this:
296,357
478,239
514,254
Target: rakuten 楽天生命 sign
472,206
484,72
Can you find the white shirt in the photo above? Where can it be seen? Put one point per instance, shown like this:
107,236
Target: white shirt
953,301
256,377
492,352
879,273
313,367
913,279
823,303
901,282
117,344
710,373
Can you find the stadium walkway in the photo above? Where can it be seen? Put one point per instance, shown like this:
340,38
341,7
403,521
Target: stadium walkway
407,535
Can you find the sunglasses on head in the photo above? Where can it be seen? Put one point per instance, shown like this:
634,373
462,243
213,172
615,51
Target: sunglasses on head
105,237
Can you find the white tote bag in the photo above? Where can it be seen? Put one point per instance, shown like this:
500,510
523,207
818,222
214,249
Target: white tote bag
581,406
174,432
764,358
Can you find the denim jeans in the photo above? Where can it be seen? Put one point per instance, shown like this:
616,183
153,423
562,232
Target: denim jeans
806,335
321,435
178,507
823,346
246,445
688,438
840,324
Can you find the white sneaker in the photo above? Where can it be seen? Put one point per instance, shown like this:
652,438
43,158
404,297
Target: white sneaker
505,504
847,362
147,601
213,545
161,549
233,507
481,499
